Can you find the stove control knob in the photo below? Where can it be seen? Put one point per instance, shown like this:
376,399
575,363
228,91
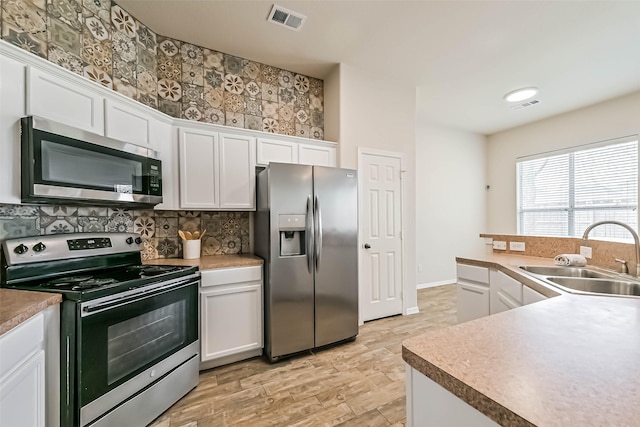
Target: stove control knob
129,240
138,240
39,247
20,249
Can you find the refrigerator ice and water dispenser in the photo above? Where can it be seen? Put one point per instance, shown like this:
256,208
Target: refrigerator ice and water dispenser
291,229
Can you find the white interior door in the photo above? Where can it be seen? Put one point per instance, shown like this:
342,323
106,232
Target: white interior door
380,234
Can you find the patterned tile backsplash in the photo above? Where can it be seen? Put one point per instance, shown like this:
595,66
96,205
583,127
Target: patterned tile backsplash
104,43
227,232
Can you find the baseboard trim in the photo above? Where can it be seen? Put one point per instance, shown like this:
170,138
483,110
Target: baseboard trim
434,284
412,310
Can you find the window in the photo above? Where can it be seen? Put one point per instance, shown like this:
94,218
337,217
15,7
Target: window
561,193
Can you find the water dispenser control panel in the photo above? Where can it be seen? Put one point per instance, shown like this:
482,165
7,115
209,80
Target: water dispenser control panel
292,229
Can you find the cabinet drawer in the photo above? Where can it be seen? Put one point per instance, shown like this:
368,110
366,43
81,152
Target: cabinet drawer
473,273
17,344
504,284
227,276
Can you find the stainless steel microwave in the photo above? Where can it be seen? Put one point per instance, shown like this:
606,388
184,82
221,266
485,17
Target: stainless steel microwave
65,165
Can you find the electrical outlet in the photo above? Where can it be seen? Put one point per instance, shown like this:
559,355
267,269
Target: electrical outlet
499,245
586,252
516,246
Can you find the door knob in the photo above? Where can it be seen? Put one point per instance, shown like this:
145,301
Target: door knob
367,246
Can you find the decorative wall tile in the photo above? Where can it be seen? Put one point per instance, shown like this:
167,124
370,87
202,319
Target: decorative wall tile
7,211
18,227
252,122
68,11
213,59
122,21
64,37
235,120
170,108
88,224
166,227
166,247
65,59
145,226
99,8
214,115
302,130
124,87
270,125
120,220
101,41
316,133
24,16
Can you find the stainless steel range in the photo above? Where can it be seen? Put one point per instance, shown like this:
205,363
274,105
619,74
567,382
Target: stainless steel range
129,332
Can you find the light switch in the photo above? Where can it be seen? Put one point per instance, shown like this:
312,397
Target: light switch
586,252
500,245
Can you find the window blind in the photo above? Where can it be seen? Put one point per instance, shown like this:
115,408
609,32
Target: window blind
560,194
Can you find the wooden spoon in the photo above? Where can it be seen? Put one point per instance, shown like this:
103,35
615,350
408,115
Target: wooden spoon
181,234
196,235
189,235
202,235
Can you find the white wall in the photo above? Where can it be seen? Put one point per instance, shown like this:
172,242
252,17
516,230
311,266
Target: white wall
450,199
607,120
377,112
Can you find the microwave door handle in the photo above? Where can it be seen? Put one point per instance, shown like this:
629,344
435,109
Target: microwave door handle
310,235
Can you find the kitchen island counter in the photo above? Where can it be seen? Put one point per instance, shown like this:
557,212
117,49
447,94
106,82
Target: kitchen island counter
17,306
569,360
211,262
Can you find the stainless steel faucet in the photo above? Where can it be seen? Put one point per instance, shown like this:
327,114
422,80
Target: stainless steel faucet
636,239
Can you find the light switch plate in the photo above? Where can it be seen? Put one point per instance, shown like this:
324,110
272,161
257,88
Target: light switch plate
586,252
500,245
516,246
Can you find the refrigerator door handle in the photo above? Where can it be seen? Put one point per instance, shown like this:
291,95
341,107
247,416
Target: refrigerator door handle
318,237
310,234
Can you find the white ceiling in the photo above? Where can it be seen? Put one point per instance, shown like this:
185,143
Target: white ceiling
462,56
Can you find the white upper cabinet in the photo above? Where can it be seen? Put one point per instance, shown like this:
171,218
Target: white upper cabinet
319,153
199,178
276,151
237,171
217,170
127,123
73,102
12,108
316,155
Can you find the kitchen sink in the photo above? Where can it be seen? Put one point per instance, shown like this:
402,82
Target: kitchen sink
599,286
564,271
583,280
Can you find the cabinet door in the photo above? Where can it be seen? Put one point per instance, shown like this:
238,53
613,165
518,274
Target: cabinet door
12,108
199,178
529,296
67,101
276,151
473,301
237,171
231,320
126,123
163,139
22,394
316,155
506,292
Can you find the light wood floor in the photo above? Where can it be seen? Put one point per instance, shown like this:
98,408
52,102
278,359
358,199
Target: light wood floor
355,384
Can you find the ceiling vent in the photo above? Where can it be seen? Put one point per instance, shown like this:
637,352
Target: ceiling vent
285,17
525,104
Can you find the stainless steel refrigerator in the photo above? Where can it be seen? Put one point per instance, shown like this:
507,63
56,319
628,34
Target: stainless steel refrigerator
306,229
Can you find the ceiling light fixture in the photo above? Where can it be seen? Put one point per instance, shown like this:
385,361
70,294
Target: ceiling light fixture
521,94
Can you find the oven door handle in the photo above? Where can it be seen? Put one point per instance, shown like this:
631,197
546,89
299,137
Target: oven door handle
137,295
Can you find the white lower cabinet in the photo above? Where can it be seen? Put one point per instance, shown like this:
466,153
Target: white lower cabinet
473,292
28,369
529,296
506,292
429,404
230,315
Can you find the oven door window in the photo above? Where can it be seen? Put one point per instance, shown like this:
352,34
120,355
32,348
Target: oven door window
70,163
119,343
